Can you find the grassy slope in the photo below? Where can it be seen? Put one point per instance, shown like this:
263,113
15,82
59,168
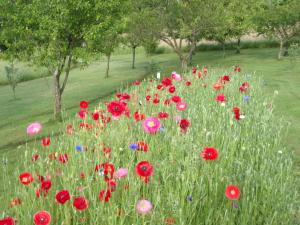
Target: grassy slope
35,97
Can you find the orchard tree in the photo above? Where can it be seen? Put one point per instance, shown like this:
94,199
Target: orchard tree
57,31
103,38
233,20
279,19
181,22
140,27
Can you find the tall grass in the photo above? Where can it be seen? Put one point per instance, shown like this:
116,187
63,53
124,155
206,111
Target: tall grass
183,186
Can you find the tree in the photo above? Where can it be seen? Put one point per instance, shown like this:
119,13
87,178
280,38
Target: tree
233,21
140,24
105,41
56,30
279,19
181,22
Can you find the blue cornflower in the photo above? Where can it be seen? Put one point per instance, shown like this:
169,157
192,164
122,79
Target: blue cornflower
162,129
246,98
134,146
189,198
79,148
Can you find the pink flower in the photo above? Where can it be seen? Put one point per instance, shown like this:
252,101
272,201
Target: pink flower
181,106
34,128
121,172
176,76
143,206
151,125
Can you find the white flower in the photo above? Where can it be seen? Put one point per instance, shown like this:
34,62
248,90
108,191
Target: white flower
280,152
223,104
242,116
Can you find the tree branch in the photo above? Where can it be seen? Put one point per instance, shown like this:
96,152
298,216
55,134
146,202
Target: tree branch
67,74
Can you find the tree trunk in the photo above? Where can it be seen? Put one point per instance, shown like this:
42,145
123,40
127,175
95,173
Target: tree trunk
286,49
133,57
184,63
238,48
107,67
280,50
223,48
57,96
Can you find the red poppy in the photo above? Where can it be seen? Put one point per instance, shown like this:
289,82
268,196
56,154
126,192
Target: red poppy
217,86
237,114
144,169
124,96
35,157
42,218
46,185
26,178
167,102
15,202
176,99
220,98
70,129
104,195
111,185
148,97
46,141
163,115
53,156
172,89
184,124
108,170
159,87
188,83
116,108
7,221
209,153
155,101
84,104
225,78
139,116
63,158
62,196
237,69
137,82
194,70
205,70
199,74
95,116
80,203
232,192
142,146
167,81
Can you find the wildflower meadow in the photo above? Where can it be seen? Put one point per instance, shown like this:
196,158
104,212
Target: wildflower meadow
201,147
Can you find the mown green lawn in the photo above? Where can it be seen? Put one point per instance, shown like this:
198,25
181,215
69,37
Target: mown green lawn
35,102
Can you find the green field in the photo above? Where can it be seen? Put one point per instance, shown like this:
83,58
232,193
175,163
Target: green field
35,103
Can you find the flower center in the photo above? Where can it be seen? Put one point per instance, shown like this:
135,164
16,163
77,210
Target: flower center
232,192
116,108
151,124
144,168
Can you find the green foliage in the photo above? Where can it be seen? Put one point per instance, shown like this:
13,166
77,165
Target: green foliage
12,77
279,20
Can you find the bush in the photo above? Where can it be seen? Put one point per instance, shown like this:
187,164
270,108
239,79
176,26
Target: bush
183,187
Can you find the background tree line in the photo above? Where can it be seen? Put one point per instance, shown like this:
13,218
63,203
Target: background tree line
55,33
